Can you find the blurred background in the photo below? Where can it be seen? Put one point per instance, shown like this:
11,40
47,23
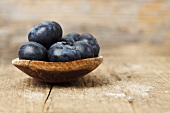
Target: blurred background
114,23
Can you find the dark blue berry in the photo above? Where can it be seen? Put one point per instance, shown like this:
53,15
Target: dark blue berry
46,33
61,52
33,51
74,36
67,39
91,41
85,49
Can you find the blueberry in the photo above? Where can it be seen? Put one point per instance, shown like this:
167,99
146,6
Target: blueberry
91,41
46,33
33,51
85,49
74,36
67,39
61,52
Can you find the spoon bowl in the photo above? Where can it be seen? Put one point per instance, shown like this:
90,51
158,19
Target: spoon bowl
57,71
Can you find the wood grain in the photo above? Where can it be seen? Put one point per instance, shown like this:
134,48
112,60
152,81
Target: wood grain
135,42
57,71
20,94
133,78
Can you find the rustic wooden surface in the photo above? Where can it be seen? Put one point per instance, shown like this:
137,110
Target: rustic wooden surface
134,78
134,36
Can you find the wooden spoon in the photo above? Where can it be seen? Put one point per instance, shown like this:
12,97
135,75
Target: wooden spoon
57,71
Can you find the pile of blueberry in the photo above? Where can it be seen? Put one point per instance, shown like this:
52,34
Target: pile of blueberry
46,43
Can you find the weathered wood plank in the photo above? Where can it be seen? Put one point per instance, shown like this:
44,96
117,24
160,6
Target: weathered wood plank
134,81
19,93
133,78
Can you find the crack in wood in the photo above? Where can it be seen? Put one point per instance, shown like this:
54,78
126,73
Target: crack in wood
46,108
132,105
29,63
131,102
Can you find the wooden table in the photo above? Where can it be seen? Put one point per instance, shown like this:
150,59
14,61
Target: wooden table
133,78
